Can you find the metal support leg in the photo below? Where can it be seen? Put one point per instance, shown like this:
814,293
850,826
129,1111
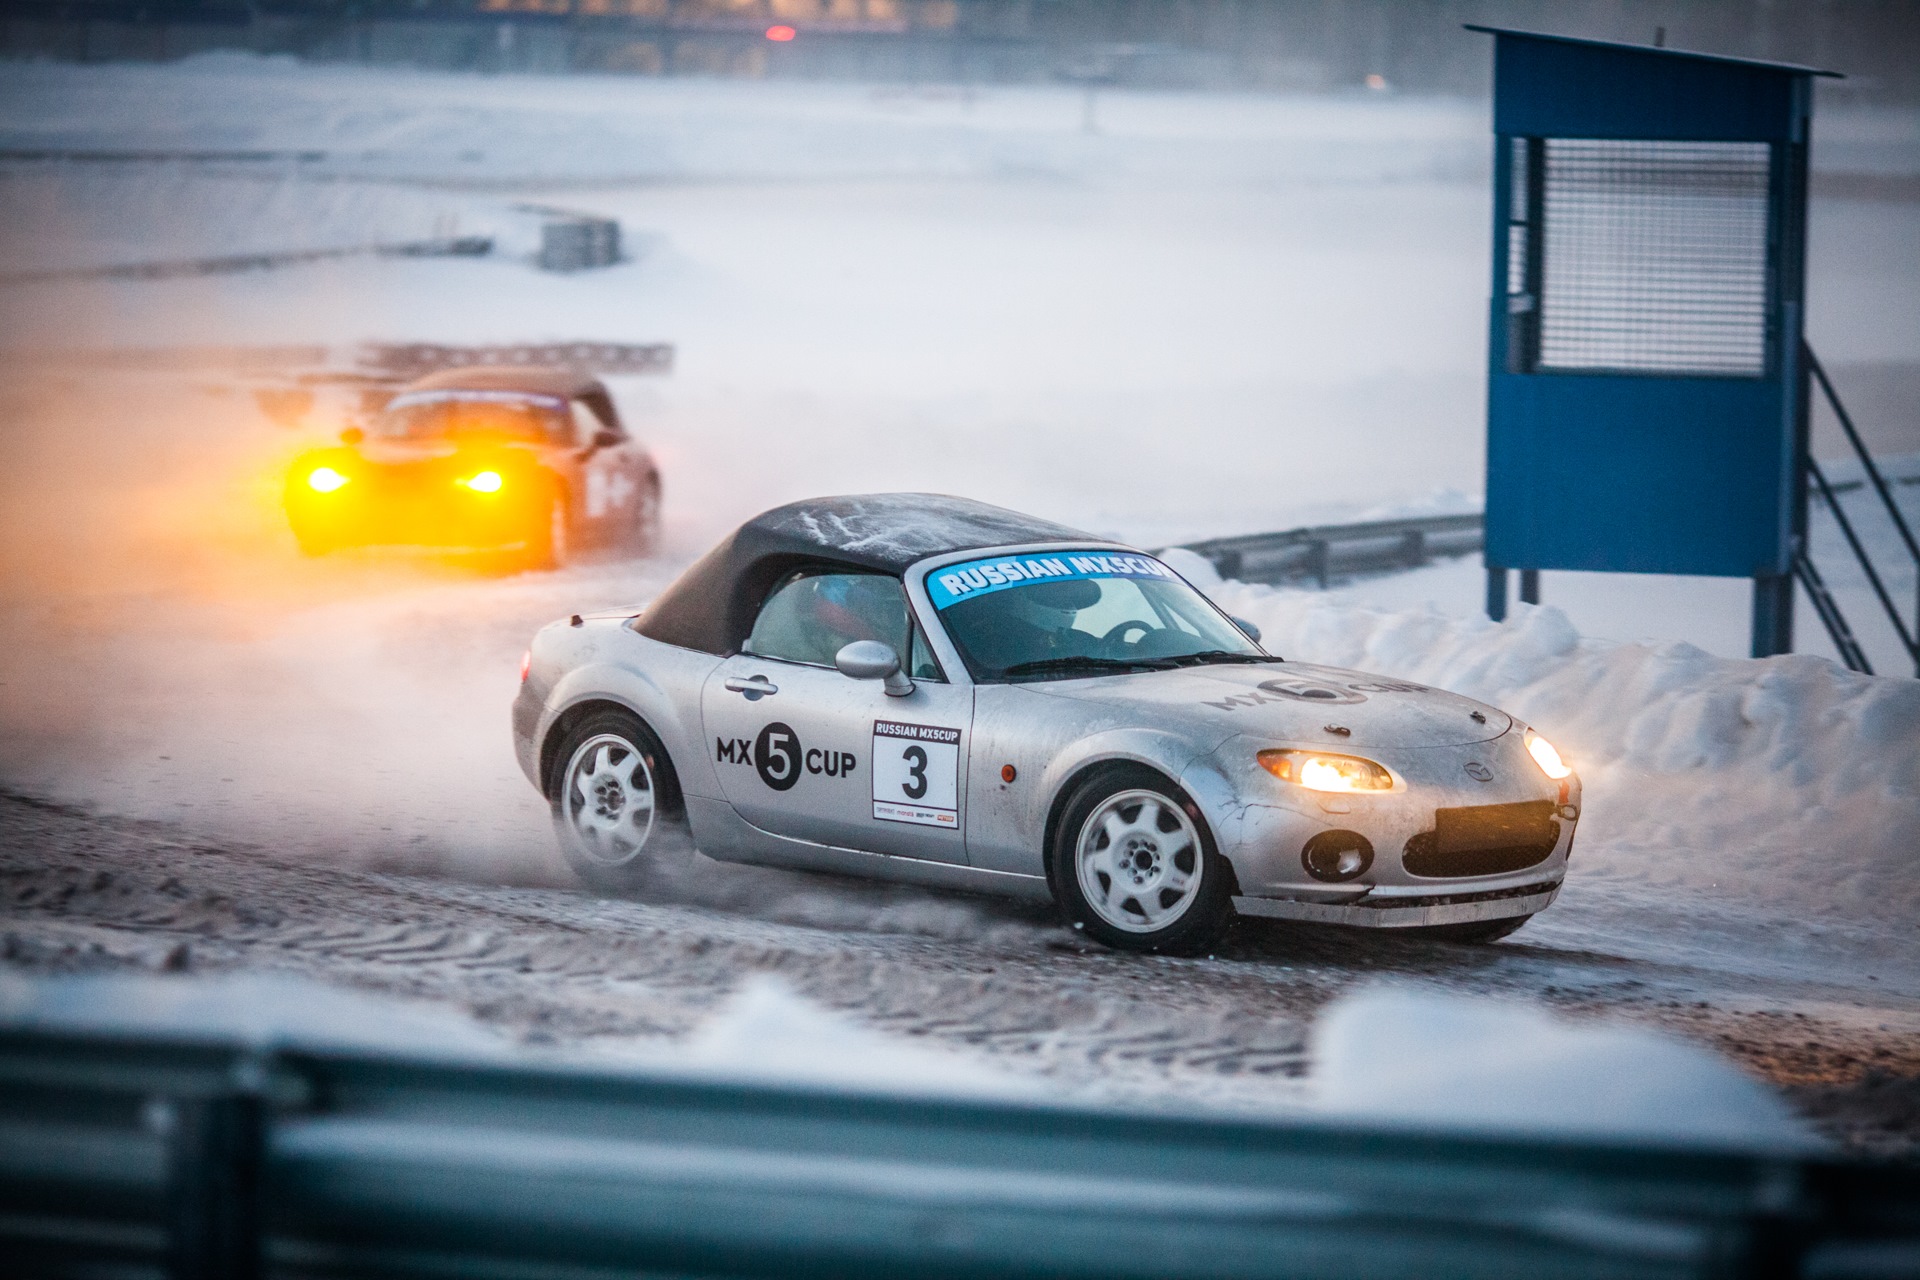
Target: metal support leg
1496,594
1772,616
1530,585
214,1210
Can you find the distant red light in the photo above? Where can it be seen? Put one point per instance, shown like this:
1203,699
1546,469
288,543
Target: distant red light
781,34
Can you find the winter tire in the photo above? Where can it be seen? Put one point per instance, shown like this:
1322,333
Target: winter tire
550,544
616,802
644,536
1134,865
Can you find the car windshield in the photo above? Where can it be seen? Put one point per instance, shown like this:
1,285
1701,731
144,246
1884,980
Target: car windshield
439,415
1064,615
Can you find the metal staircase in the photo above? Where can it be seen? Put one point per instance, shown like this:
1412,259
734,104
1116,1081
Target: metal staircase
1823,602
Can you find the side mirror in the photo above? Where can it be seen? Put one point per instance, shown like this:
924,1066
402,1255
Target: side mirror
352,435
1247,629
872,660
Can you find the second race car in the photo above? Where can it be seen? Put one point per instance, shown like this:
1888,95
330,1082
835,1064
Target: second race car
530,460
923,688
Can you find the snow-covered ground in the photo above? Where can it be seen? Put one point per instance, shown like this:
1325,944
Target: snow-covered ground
1215,315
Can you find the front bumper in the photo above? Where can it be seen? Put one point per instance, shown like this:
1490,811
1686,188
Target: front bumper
1409,912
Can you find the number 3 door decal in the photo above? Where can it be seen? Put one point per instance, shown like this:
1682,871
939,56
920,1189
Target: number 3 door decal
916,774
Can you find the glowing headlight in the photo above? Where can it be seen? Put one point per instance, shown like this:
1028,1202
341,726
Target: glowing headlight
1546,757
1320,771
325,480
485,482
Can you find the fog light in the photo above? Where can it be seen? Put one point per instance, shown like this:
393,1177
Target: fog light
325,480
485,482
1335,856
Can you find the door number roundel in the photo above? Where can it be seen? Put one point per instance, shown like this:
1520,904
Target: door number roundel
776,756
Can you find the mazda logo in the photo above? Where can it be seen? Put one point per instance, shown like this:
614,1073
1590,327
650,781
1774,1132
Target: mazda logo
1479,772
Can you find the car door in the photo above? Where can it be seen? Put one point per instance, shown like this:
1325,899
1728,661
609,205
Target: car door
609,479
805,752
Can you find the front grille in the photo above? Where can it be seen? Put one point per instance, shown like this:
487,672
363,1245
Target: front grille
1484,840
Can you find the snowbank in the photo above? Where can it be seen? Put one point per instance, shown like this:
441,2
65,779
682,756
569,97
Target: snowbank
1406,1056
1785,779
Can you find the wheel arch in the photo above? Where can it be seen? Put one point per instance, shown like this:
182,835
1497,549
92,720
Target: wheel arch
572,716
1118,762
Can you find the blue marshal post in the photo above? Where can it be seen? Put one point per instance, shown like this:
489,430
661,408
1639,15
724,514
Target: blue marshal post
1646,396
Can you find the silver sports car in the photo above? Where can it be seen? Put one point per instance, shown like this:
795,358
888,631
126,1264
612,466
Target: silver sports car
929,689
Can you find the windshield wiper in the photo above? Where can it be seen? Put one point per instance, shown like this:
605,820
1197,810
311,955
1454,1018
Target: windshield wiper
1044,666
1209,657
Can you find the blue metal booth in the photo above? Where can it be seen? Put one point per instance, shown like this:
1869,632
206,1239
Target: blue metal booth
1647,406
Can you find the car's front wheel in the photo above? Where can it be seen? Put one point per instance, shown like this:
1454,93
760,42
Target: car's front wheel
550,541
643,536
616,803
1134,865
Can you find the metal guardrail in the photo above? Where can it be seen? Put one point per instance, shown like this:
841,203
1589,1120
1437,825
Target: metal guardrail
234,263
370,364
1320,552
147,1155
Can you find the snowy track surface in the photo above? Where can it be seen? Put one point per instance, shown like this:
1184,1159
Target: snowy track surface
988,983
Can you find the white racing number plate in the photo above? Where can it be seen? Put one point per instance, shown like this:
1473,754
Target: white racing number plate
916,774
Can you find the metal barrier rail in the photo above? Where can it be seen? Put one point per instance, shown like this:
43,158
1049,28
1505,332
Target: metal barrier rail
144,1155
381,363
1322,551
233,263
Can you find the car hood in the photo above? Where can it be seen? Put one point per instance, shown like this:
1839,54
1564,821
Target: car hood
1297,703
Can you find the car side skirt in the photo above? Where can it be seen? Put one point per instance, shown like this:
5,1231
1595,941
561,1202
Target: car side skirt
725,836
1401,913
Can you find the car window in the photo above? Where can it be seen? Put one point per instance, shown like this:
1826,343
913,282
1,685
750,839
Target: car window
586,424
437,415
812,615
924,666
1033,616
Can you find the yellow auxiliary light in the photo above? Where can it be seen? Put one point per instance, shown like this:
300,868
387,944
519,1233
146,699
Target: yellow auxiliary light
1546,757
325,480
485,482
1322,771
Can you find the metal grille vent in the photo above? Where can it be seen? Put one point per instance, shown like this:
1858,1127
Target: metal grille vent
1656,257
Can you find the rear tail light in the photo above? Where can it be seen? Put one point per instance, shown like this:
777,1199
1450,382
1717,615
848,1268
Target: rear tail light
526,665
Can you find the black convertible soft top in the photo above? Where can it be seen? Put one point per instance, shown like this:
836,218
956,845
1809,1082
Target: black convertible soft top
711,606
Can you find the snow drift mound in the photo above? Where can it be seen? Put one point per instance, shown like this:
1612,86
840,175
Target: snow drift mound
1785,779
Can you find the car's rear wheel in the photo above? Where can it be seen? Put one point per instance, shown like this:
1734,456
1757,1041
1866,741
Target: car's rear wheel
1134,865
1478,931
616,803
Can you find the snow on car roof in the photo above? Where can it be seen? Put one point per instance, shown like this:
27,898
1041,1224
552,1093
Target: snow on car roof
711,606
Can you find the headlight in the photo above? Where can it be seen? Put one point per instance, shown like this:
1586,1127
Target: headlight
1546,757
1321,771
325,480
484,482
